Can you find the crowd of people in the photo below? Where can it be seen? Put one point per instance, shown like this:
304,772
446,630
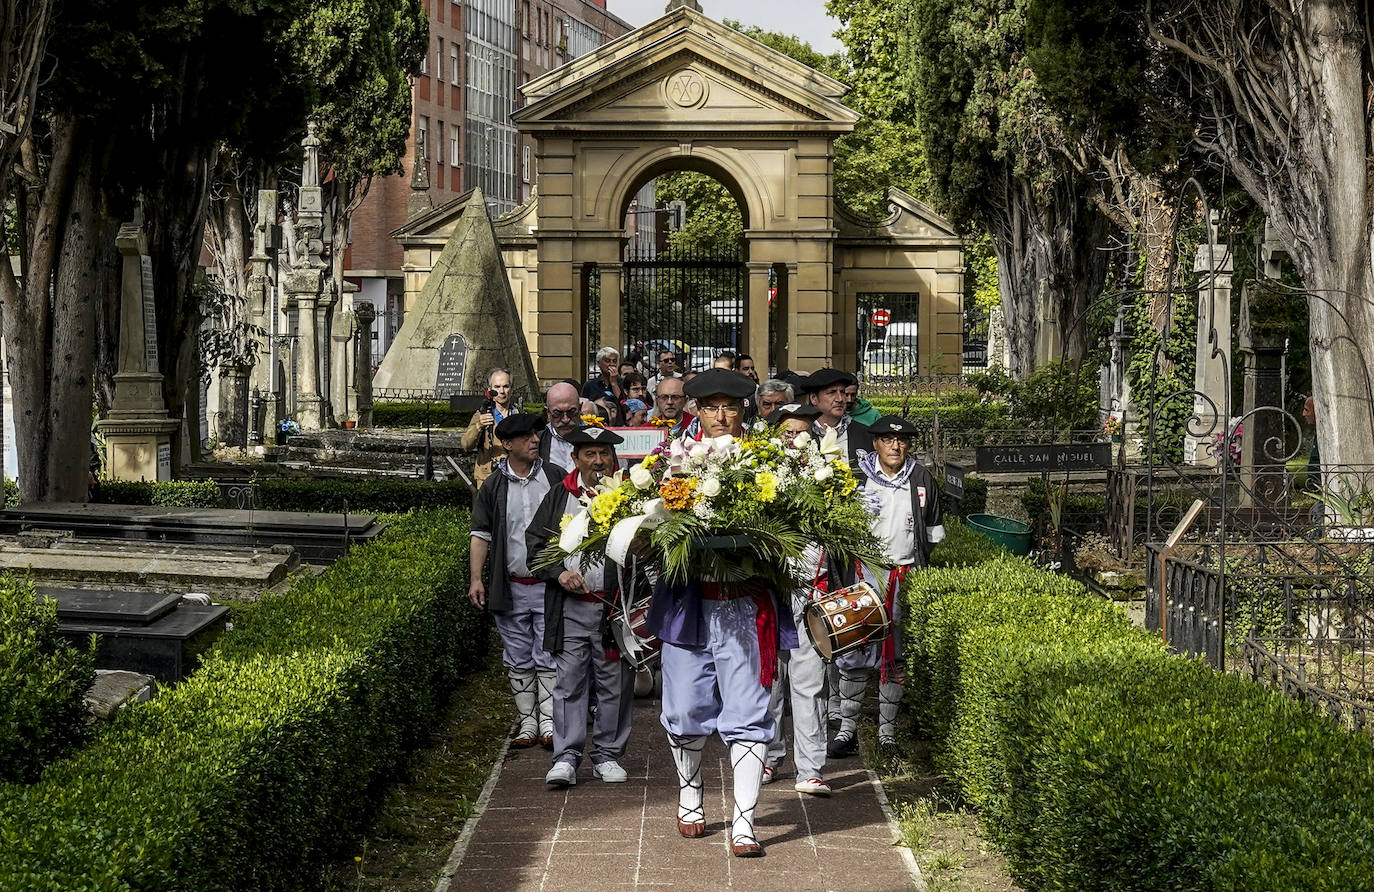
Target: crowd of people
554,620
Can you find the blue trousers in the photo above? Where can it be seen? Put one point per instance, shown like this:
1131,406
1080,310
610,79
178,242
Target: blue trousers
716,688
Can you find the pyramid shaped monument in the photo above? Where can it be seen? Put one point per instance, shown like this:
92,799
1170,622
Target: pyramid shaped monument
464,323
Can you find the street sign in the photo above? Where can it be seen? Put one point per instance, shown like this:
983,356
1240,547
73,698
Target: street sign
954,480
1053,457
881,317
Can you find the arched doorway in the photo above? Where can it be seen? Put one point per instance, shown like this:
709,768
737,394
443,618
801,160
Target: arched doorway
685,93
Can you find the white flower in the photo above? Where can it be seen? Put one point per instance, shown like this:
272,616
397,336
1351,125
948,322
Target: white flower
830,443
640,477
823,473
698,452
801,439
709,487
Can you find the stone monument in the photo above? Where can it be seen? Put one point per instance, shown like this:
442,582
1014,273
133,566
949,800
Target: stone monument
304,287
138,431
1262,344
1212,379
364,314
263,315
464,322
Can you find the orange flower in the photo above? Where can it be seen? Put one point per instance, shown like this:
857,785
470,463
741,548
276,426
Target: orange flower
678,493
662,422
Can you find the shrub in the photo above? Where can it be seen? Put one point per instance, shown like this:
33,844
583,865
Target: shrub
264,762
1098,760
408,414
361,496
975,497
964,547
169,493
1082,512
43,682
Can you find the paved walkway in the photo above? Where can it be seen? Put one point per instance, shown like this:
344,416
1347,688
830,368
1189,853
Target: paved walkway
596,835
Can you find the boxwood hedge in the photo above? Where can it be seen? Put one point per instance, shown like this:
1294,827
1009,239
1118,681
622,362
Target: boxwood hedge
265,761
43,681
1098,760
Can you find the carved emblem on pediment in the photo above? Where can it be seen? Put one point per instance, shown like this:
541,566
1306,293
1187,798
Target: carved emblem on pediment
686,88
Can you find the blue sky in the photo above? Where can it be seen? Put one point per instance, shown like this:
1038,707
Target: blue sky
804,18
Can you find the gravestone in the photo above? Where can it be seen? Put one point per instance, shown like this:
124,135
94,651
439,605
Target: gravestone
1211,383
364,315
1262,339
453,358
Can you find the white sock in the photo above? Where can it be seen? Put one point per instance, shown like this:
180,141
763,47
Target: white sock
687,759
523,686
852,686
889,698
747,759
547,677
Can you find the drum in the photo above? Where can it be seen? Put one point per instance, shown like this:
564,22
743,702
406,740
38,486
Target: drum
630,630
841,621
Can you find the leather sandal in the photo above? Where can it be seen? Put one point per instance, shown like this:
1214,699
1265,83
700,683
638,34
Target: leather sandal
692,830
746,849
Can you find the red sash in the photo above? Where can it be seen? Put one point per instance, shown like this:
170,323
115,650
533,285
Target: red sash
887,669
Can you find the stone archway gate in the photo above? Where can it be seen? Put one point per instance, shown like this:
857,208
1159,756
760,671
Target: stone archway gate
687,93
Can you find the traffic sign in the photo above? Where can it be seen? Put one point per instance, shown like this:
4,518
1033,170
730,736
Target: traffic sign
881,317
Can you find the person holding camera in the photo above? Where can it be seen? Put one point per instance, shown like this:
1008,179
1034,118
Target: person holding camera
481,431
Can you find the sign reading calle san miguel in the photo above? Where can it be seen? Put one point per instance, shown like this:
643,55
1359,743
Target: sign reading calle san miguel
1054,457
453,359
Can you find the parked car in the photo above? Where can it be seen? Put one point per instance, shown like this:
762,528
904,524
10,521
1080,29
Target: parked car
886,364
700,359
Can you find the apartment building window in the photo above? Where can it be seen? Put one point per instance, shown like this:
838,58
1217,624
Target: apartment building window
439,59
525,19
439,142
424,64
582,38
525,164
454,65
455,150
489,143
422,136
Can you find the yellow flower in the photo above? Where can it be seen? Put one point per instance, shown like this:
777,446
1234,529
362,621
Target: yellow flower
563,524
593,421
768,485
605,505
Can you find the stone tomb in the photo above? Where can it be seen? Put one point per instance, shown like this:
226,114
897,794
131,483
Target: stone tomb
144,632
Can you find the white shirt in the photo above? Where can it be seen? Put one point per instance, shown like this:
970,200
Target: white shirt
560,451
595,574
895,526
523,495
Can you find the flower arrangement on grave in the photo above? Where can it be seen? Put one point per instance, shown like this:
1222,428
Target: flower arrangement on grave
289,426
726,509
1112,427
1228,443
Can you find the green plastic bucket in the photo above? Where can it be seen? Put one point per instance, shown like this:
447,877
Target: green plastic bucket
1013,535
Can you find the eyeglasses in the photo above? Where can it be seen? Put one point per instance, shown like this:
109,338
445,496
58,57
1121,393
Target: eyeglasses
670,397
729,409
564,413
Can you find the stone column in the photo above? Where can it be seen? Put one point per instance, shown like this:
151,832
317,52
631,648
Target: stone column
756,338
1261,344
324,349
1212,375
364,316
304,286
612,326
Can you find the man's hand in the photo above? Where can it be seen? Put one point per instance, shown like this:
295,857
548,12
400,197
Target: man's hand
572,581
486,419
477,594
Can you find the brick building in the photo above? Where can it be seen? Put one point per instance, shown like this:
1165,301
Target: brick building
480,52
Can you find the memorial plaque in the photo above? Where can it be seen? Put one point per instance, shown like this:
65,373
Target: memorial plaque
453,359
1053,457
164,462
149,315
954,481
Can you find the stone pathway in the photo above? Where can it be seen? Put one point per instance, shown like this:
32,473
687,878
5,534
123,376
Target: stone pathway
596,835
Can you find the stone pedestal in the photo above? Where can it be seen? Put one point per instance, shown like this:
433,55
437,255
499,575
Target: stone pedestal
137,431
364,316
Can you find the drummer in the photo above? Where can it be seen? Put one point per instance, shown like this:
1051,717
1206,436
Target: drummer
801,669
576,603
716,677
907,521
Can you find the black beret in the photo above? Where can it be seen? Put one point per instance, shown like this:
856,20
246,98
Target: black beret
720,381
585,436
893,425
519,424
794,410
794,378
823,378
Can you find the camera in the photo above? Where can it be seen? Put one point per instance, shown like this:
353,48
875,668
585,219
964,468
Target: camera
488,404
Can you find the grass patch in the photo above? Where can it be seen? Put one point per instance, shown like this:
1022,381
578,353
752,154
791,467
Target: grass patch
409,840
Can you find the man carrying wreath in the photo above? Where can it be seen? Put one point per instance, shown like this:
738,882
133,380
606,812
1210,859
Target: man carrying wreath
720,646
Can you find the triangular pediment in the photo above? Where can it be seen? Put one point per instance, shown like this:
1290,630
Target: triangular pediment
681,72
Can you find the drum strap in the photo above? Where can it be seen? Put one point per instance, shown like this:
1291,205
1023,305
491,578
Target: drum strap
888,672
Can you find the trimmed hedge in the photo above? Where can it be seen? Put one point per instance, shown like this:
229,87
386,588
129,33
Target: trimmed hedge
169,493
399,413
43,681
361,496
1098,760
964,546
264,762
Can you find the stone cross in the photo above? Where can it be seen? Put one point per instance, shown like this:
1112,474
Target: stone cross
305,286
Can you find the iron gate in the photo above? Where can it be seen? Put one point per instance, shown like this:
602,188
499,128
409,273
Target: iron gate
690,297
